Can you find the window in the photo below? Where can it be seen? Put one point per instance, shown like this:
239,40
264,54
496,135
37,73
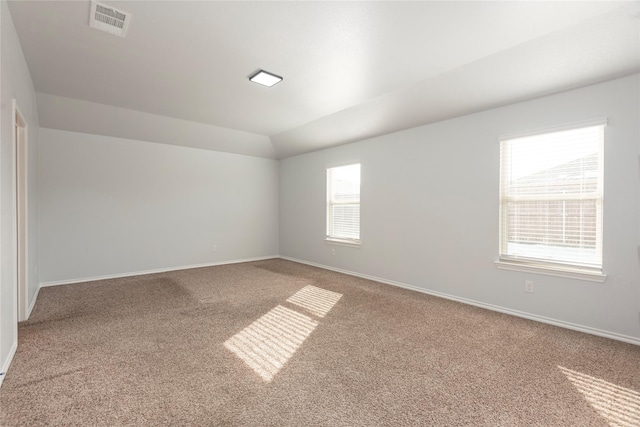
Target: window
551,189
343,204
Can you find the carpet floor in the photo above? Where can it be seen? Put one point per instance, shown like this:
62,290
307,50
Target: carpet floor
277,343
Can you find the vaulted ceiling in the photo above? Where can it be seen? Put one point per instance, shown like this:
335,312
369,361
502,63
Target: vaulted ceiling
351,69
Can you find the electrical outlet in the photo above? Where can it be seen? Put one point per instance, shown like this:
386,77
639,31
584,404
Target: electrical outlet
333,251
528,286
214,248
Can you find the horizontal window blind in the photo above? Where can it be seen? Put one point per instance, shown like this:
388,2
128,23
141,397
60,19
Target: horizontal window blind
343,202
551,193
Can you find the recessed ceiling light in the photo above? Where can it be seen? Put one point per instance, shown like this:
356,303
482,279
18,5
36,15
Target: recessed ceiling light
265,78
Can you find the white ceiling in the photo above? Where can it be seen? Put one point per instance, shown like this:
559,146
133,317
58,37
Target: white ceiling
351,69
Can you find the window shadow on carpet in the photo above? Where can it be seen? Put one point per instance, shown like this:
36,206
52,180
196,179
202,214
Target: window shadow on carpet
269,342
620,406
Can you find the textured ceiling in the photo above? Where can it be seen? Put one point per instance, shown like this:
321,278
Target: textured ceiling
351,69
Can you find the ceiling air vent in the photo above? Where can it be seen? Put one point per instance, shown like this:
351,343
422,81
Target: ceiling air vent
109,19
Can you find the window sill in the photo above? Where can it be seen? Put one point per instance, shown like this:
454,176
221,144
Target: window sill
567,272
340,242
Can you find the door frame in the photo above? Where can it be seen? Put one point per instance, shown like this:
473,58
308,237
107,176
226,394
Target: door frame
20,203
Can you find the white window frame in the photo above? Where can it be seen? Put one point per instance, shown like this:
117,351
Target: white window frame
340,240
544,266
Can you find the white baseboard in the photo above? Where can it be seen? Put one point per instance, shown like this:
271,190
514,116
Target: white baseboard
7,362
159,270
33,303
542,319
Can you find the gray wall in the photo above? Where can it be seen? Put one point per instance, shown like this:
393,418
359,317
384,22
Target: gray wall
113,206
429,214
57,112
16,84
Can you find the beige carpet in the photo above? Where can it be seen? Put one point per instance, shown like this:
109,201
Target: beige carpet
276,343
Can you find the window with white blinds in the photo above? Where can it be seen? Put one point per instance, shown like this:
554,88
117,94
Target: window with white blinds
551,191
343,203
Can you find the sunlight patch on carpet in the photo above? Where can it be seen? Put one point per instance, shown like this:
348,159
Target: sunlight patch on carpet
317,300
270,341
618,405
